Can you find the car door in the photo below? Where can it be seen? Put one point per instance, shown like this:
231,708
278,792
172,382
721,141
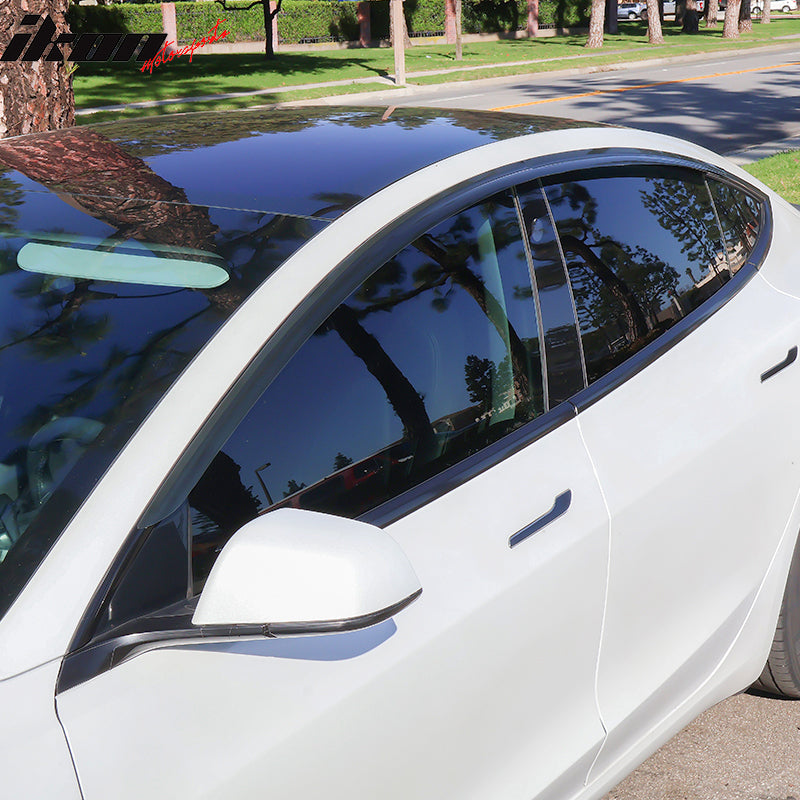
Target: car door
687,427
426,403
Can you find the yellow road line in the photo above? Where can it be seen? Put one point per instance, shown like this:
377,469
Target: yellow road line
645,86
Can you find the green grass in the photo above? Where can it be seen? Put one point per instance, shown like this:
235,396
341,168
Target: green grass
108,84
781,173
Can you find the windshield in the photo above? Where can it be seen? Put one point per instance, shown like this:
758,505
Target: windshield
103,303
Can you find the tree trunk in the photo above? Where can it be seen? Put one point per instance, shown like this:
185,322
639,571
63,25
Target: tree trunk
406,37
85,164
611,22
459,53
730,29
402,396
654,34
691,19
596,23
745,18
712,9
34,95
269,45
533,18
766,13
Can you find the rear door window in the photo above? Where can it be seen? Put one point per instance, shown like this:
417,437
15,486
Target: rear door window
643,249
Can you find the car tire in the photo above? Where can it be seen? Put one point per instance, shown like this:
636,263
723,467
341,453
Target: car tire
631,15
755,11
781,674
643,15
786,9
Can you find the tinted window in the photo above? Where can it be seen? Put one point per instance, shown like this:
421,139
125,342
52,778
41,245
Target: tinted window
102,306
643,249
562,347
740,218
435,356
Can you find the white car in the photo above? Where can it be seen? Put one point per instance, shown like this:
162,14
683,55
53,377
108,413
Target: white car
386,454
786,6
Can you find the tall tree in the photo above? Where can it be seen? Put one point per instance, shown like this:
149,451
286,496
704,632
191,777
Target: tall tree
711,11
654,34
766,12
596,24
745,18
730,29
34,95
269,15
533,18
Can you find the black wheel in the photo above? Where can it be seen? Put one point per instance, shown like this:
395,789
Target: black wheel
631,15
755,11
643,15
786,9
781,675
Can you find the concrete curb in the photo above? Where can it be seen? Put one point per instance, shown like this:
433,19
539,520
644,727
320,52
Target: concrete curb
759,151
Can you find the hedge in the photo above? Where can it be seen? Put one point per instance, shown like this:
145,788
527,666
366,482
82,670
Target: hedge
323,20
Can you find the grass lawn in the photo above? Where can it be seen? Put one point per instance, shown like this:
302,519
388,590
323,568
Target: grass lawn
781,173
107,83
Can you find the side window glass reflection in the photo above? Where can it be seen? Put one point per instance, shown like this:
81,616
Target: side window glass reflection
643,249
739,216
431,359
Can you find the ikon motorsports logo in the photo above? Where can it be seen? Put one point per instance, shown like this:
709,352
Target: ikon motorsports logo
82,46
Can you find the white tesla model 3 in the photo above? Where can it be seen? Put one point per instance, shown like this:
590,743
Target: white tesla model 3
418,454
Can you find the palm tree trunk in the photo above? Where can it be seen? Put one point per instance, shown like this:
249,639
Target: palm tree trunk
712,9
654,34
745,19
596,23
730,29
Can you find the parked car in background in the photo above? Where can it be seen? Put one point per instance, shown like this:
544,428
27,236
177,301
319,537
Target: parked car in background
785,6
632,11
386,454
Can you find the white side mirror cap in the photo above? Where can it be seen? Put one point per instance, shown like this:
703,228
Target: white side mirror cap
301,571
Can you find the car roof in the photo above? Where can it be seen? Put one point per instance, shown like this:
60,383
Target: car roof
309,161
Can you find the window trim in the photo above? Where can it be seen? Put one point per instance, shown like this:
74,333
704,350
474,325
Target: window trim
339,283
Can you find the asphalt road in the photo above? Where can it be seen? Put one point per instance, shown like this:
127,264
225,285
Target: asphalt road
748,747
721,102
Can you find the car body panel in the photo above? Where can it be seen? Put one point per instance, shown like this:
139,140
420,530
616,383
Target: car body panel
487,627
700,449
35,761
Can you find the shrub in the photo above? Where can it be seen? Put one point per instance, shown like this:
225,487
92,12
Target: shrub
322,20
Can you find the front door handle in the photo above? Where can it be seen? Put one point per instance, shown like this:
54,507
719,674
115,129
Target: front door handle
791,356
560,506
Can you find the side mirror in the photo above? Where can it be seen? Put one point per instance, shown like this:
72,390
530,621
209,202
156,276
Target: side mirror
303,572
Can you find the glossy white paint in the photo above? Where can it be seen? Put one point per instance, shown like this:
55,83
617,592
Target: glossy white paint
680,461
496,682
302,566
439,702
34,758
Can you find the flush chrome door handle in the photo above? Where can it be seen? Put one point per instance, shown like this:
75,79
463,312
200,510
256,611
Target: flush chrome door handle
791,356
560,506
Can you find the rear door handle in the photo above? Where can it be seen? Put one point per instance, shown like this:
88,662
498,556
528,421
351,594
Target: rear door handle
791,357
560,506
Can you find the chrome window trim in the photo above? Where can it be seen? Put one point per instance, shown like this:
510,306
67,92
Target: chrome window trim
346,276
